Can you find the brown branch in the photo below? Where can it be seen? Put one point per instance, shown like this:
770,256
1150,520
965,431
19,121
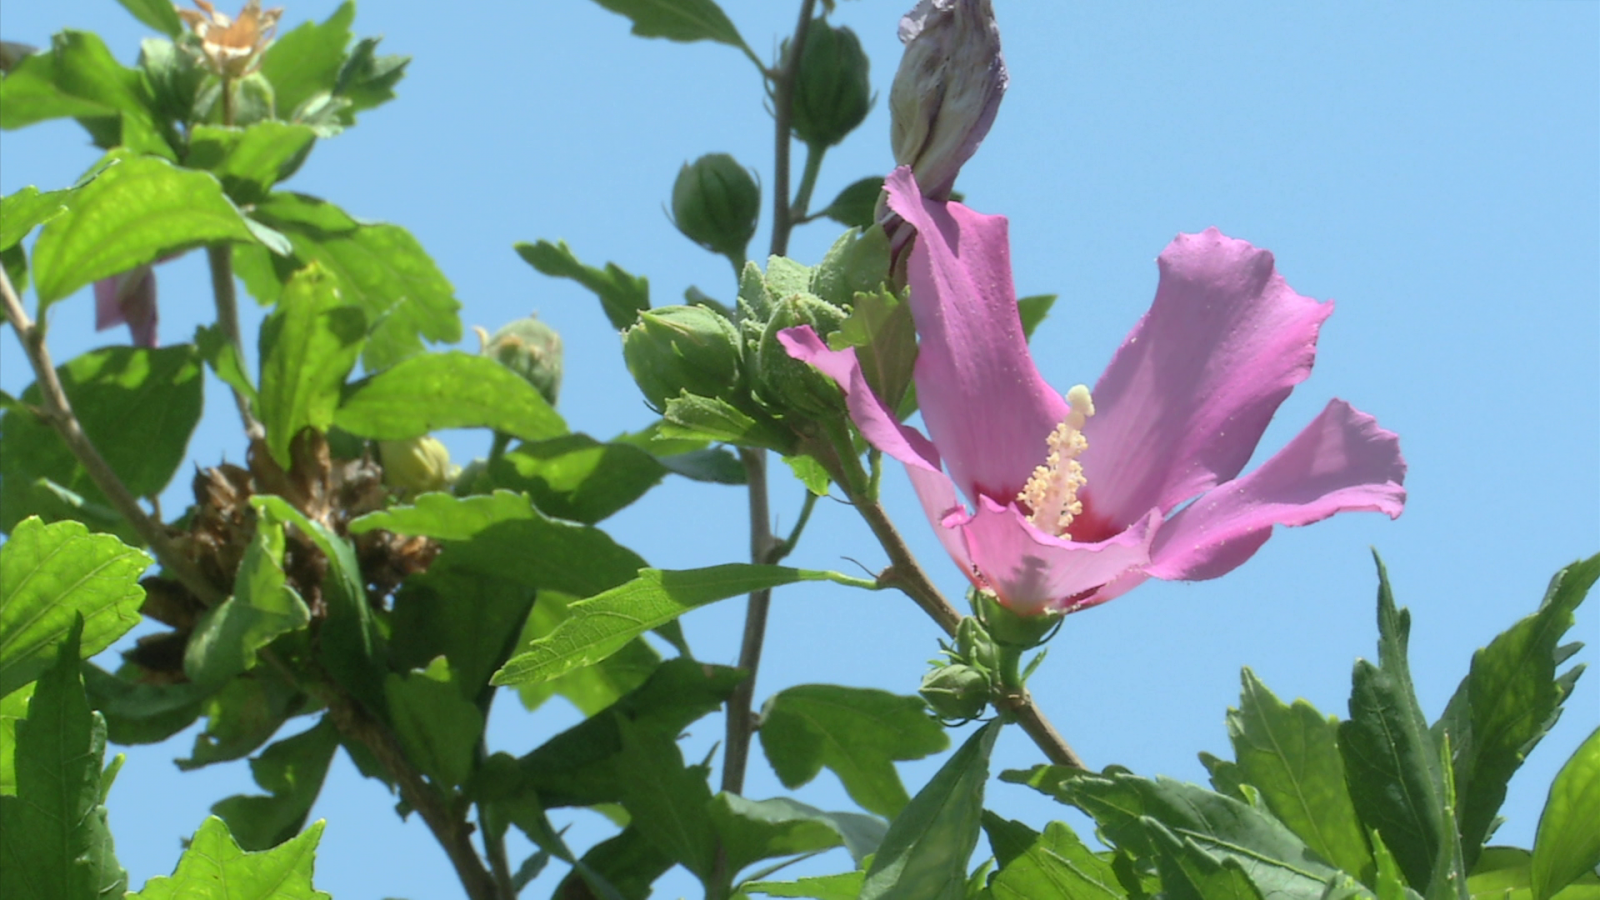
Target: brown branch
58,412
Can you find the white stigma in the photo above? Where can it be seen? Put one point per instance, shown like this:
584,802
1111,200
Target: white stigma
1051,494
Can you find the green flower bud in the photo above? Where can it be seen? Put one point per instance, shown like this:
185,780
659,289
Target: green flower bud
716,203
416,466
788,383
974,646
832,92
1011,629
531,349
955,691
678,348
947,89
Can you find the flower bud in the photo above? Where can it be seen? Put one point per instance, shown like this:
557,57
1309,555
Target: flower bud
831,93
1015,631
947,89
716,203
974,645
955,691
683,348
788,383
416,466
531,349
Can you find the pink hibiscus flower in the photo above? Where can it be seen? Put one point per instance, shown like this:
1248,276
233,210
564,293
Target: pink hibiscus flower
1059,503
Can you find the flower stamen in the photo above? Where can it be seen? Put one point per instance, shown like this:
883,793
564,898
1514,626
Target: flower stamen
1051,494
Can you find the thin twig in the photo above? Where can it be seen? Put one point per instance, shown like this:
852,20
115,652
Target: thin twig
220,257
58,412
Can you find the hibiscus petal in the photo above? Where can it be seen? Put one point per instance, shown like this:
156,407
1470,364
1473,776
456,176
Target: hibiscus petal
882,430
1342,462
1185,399
984,402
107,310
1031,571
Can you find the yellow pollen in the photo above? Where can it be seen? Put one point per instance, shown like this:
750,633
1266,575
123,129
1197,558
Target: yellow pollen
1051,494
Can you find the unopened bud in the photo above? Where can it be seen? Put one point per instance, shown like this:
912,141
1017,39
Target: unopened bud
531,349
786,382
947,90
416,466
832,93
683,348
716,204
955,691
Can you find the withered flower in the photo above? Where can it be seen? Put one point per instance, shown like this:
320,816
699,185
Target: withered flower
233,46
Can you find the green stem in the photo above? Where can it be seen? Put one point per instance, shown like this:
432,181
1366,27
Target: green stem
220,258
808,182
788,545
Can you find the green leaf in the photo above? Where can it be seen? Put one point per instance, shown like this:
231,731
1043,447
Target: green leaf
135,212
308,347
692,459
858,733
13,707
352,646
1033,309
618,868
213,859
707,418
1566,847
622,296
753,830
367,80
263,606
1056,865
578,478
292,771
1190,873
668,802
447,390
1291,755
1008,838
1506,873
1391,762
438,727
137,406
54,839
604,624
589,688
844,886
924,855
26,209
139,712
249,161
856,205
242,716
219,353
158,14
307,60
578,767
471,618
446,517
1509,700
880,328
79,78
49,576
810,473
380,267
679,20
1130,811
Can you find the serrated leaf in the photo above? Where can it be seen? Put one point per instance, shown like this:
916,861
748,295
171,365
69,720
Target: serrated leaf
158,14
578,478
138,712
1291,755
213,859
470,617
437,726
54,840
605,623
589,688
436,391
679,20
1190,873
49,576
810,473
26,209
753,830
137,406
1056,864
668,802
857,733
445,516
380,267
1008,838
307,60
292,771
308,347
1509,700
135,212
844,886
1506,873
242,716
880,328
1123,805
1566,847
622,296
924,855
263,606
707,418
856,205
249,161
220,354
1391,762
79,78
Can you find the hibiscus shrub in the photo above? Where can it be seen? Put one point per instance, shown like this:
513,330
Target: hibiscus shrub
348,589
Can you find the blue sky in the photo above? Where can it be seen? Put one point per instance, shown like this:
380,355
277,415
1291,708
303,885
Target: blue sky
1431,167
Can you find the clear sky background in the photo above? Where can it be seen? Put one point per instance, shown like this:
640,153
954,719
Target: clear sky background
1431,166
